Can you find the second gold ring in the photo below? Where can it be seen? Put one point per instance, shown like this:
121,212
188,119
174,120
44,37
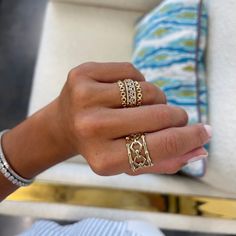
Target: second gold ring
138,153
130,92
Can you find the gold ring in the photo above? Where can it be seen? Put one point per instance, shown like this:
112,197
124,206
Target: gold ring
130,93
138,153
122,93
139,94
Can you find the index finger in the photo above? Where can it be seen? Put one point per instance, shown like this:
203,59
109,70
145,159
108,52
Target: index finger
109,72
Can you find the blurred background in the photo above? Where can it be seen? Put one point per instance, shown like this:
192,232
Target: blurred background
20,30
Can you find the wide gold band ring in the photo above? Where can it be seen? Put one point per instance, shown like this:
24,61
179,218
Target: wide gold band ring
138,153
130,93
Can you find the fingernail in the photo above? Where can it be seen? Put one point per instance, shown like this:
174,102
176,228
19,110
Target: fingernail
197,158
208,129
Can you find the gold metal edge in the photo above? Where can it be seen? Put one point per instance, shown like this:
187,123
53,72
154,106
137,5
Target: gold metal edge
211,207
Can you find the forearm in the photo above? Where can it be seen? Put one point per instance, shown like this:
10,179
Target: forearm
34,146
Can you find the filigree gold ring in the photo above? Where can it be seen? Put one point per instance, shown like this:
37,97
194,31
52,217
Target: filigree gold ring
138,153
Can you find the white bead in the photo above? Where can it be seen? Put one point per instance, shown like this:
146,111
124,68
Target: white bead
4,170
7,174
11,178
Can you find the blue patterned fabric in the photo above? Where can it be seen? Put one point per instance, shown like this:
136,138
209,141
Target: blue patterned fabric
169,50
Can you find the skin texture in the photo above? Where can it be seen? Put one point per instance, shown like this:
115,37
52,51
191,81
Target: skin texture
87,118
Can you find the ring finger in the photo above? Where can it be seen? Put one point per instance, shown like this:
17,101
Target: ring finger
116,123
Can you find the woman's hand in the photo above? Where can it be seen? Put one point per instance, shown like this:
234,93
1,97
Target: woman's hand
93,123
87,118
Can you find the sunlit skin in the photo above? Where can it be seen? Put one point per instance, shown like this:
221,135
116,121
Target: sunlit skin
87,118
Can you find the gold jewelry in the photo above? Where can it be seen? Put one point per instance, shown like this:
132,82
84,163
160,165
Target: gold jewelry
139,94
122,93
138,153
130,93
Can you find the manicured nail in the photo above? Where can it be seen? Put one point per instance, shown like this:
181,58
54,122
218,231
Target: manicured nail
208,130
197,158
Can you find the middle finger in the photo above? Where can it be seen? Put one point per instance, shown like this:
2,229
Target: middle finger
116,123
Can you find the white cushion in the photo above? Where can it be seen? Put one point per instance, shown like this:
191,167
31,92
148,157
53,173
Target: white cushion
221,64
74,34
134,5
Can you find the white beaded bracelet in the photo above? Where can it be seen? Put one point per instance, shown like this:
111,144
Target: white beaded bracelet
8,172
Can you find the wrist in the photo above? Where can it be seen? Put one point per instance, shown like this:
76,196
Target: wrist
37,143
57,131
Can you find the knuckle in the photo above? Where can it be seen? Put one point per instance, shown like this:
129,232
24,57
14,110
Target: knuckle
72,77
82,93
86,67
84,126
81,126
164,114
173,169
150,91
131,71
164,97
82,69
99,166
183,116
129,66
154,94
172,144
75,81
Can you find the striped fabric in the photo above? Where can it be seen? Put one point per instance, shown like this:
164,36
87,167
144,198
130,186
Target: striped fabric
93,227
169,50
